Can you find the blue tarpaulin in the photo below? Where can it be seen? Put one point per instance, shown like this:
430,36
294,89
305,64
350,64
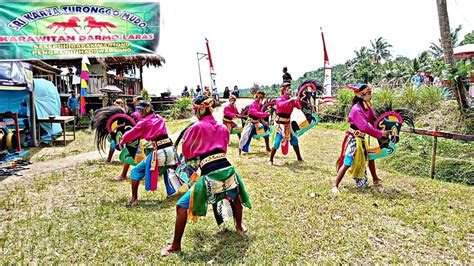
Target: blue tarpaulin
47,102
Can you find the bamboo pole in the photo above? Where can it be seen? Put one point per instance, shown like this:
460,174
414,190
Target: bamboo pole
433,154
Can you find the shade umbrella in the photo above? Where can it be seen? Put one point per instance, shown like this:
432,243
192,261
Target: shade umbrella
110,89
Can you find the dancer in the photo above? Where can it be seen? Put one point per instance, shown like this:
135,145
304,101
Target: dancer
207,142
256,124
355,145
160,158
284,107
231,112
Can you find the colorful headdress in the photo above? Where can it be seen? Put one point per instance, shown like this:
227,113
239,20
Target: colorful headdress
259,95
286,86
145,105
358,87
139,98
202,103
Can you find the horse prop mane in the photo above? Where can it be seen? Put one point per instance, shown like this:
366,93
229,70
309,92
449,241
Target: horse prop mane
391,120
110,124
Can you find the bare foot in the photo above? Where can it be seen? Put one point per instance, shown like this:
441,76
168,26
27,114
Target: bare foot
378,182
378,185
300,160
133,202
120,178
169,249
242,230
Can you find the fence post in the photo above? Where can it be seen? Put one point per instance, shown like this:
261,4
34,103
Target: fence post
433,154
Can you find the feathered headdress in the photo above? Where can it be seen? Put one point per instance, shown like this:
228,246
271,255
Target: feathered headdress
358,87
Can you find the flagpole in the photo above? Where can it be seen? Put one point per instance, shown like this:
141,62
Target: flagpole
327,85
211,66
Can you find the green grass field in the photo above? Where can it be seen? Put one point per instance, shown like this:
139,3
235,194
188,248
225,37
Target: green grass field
80,216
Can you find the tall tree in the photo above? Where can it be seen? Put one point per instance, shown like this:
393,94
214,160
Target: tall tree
446,44
380,50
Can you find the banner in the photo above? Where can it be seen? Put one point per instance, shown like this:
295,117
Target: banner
66,29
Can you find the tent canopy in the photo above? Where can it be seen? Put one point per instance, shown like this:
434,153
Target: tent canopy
47,102
464,51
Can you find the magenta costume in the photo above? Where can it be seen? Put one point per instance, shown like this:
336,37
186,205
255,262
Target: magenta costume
153,128
355,142
230,112
254,126
284,108
205,136
206,143
363,119
255,111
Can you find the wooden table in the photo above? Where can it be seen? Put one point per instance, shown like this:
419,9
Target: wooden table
63,120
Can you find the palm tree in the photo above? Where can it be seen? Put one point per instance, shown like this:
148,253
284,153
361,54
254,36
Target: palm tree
446,44
380,50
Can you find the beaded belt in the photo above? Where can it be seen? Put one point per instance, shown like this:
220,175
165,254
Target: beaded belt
356,133
282,120
211,158
162,142
225,119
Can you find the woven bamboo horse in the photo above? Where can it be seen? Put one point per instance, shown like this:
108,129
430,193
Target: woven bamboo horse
267,103
307,93
110,124
391,120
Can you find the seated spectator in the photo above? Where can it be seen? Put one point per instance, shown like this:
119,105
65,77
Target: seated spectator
226,93
185,92
428,79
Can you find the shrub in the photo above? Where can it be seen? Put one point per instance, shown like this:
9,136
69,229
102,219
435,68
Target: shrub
408,98
344,97
383,97
429,98
181,108
332,113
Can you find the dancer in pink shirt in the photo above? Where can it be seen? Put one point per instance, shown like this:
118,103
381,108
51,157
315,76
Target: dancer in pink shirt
355,145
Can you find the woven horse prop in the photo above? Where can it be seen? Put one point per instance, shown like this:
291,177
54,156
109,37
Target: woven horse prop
268,107
391,121
307,93
256,128
110,124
